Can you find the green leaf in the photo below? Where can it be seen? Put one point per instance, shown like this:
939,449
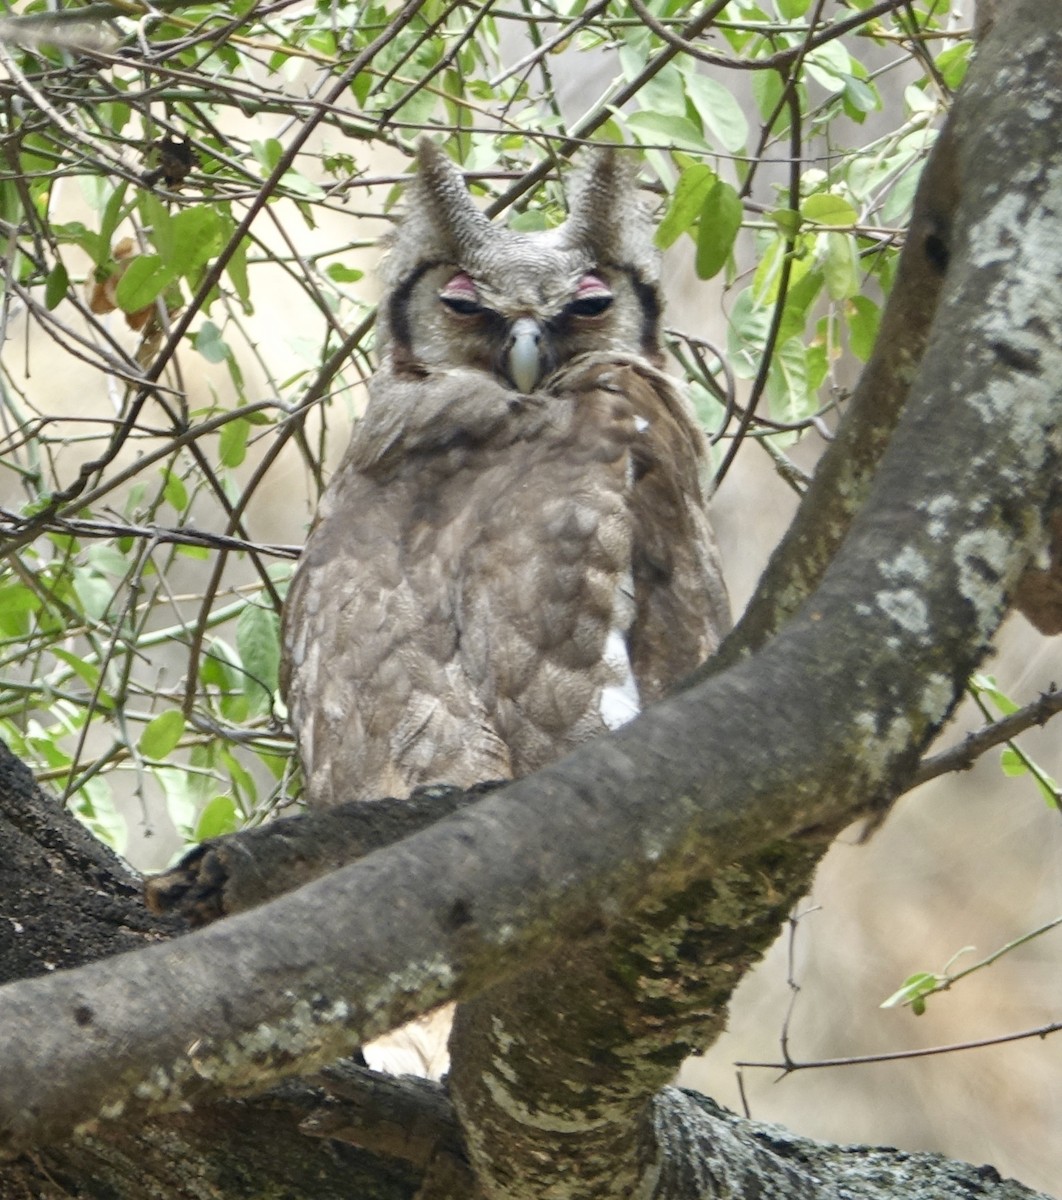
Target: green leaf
218,818
243,785
1012,763
162,734
746,334
157,217
720,112
361,85
841,267
258,643
210,344
805,289
830,65
768,276
953,62
323,41
87,672
106,559
339,273
661,129
221,668
863,97
687,200
295,182
95,592
17,602
864,319
276,764
77,234
767,90
897,206
817,365
825,208
634,53
237,272
664,93
55,286
196,238
985,685
233,442
788,395
45,744
787,220
792,9
267,153
174,492
112,215
718,227
144,279
914,990
116,115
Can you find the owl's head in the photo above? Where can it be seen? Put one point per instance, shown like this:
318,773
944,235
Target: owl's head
463,292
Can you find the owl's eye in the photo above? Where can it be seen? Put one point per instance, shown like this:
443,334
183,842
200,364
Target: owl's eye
460,296
592,297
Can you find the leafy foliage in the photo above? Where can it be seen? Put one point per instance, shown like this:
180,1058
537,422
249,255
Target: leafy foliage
181,180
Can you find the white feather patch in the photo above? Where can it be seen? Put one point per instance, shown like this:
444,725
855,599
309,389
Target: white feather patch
619,701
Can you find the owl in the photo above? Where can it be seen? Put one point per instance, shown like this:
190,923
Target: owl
514,555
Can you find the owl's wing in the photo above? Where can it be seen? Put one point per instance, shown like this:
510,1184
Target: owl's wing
682,609
476,601
370,675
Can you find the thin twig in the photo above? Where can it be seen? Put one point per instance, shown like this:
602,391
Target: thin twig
963,755
857,1060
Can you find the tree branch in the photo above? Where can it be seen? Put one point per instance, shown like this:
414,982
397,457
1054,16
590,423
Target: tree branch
730,768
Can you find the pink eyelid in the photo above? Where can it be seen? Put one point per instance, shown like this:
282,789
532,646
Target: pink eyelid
591,285
461,287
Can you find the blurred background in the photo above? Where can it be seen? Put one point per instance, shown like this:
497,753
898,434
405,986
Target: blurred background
961,867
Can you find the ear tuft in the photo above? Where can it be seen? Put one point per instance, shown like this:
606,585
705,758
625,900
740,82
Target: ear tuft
441,221
607,214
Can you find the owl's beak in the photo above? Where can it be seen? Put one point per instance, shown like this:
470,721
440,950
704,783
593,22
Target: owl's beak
523,353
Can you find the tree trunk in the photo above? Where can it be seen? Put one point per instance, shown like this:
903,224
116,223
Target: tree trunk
683,836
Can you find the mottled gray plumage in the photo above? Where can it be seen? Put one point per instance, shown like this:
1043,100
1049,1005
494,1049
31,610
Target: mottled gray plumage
514,554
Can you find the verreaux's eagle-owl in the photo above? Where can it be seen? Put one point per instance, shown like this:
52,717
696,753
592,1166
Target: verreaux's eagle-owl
514,554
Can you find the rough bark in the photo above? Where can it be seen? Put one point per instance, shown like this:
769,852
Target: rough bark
550,1038
68,900
232,874
679,804
273,1147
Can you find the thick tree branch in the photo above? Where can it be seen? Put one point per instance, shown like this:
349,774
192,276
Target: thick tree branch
589,1034
733,765
231,874
713,1155
68,900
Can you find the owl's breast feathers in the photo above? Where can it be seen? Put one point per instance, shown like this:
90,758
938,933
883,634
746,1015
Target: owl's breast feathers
493,579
